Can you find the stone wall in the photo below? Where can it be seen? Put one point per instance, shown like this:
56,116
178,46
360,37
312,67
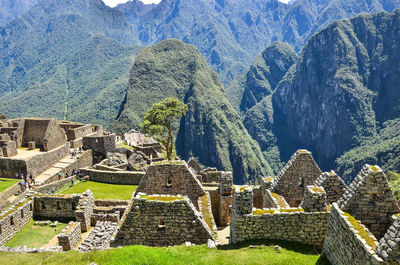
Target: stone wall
14,219
114,177
389,246
211,175
173,177
85,210
314,199
370,199
344,245
46,133
100,144
56,185
287,224
34,165
299,172
333,186
161,221
100,237
55,206
70,236
8,148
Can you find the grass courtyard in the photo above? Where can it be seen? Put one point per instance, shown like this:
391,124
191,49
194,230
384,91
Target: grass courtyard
102,190
262,253
35,236
5,183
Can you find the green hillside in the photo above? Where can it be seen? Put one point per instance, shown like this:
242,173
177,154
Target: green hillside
211,130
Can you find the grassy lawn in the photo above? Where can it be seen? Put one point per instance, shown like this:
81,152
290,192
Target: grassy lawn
102,190
35,236
291,253
6,183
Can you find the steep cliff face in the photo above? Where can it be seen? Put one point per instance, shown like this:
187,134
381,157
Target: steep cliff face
343,86
265,73
231,33
211,130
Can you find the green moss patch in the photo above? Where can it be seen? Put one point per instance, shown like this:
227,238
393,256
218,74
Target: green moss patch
205,211
162,198
361,231
279,199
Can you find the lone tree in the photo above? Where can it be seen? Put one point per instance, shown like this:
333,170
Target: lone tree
158,121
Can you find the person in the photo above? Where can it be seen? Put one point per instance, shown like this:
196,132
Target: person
22,185
66,175
33,180
73,153
72,181
53,190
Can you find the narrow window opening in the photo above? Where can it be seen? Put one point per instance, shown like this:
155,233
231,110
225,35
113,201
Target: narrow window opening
1,230
169,181
11,220
22,213
73,206
161,225
30,207
301,182
58,206
43,206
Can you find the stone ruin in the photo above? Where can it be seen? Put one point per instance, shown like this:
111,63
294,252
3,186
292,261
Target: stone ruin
296,175
178,202
143,143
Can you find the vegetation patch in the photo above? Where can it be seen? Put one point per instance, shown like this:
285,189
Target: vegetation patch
374,168
124,145
361,230
162,198
102,190
34,236
206,212
261,211
5,183
279,199
291,253
316,189
271,211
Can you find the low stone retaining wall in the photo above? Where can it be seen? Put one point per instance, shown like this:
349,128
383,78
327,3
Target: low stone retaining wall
30,250
56,185
344,245
292,224
70,236
114,177
14,189
14,219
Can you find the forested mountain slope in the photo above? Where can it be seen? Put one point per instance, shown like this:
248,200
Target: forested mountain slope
211,130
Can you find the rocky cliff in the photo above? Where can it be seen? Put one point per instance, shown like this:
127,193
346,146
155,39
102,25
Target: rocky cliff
211,130
342,94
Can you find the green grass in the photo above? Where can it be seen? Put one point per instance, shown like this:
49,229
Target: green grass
292,253
6,183
103,190
35,236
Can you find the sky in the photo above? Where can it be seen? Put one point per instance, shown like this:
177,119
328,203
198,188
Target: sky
113,3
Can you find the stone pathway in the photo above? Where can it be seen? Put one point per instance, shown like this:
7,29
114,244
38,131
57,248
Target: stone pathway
223,233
